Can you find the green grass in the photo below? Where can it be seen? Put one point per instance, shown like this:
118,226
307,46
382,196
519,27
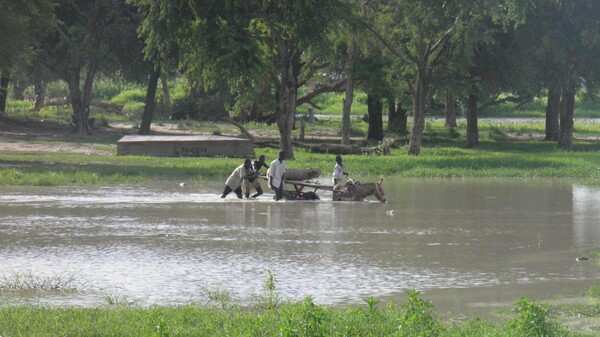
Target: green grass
441,156
415,317
492,159
332,104
507,149
21,282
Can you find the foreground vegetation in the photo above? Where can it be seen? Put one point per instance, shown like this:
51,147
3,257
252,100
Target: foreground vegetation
415,317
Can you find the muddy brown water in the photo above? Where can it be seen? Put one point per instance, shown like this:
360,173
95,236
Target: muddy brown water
471,246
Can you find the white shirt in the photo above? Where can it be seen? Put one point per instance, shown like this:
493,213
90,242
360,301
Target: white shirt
235,179
338,171
276,171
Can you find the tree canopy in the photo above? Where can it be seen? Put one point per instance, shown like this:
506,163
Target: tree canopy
258,56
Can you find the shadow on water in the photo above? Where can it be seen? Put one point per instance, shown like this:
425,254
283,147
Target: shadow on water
469,245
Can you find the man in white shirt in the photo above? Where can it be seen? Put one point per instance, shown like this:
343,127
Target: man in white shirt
275,175
234,182
338,170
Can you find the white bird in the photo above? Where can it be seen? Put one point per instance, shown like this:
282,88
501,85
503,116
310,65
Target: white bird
390,212
181,184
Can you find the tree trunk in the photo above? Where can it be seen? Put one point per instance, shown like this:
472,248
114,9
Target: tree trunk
150,102
76,97
286,105
552,114
565,140
18,90
393,115
472,128
80,100
403,119
347,109
420,95
39,88
375,109
87,97
4,82
166,94
450,111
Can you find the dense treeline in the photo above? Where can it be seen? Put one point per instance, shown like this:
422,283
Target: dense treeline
262,59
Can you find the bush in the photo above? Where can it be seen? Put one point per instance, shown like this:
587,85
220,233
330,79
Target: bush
532,320
305,319
417,318
201,106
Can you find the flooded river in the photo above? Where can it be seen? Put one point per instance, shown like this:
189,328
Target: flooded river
468,245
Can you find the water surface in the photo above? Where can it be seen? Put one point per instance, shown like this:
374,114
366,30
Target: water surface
468,245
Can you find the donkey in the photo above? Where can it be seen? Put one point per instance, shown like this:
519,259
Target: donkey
355,191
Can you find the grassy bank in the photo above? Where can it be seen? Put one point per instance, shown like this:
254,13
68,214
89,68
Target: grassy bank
521,159
499,155
416,317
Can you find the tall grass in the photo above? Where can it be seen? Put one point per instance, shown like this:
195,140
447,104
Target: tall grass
28,281
414,318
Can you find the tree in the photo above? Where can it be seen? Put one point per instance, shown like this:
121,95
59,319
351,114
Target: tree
562,38
92,36
240,40
150,102
22,22
349,92
424,36
372,70
579,24
375,113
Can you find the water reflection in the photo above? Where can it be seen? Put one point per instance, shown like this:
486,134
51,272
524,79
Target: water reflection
586,205
494,239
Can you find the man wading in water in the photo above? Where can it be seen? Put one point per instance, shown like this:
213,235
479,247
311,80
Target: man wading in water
234,182
275,175
338,170
249,184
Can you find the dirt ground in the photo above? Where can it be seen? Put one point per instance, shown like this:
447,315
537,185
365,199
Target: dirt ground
47,136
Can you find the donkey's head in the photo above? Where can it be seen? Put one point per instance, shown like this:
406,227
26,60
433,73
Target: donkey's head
379,193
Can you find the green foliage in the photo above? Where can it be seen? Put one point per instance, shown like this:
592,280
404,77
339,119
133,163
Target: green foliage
130,95
332,104
303,318
218,298
270,298
372,303
22,22
133,101
532,320
442,156
202,105
417,318
593,292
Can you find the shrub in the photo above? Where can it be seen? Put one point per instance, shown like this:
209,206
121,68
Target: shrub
417,318
532,320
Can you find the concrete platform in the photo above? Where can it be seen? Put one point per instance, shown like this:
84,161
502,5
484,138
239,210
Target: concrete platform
185,146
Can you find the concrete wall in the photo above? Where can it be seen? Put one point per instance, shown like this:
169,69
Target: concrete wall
185,146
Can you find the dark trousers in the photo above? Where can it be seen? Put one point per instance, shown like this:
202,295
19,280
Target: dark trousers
258,192
278,191
227,190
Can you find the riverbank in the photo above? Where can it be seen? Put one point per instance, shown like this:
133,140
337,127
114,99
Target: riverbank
415,317
48,154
